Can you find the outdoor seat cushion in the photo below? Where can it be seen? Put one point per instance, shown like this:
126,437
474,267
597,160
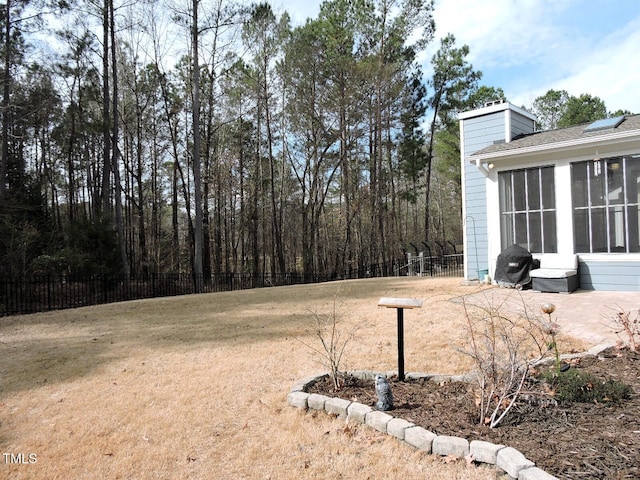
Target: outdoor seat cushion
552,273
556,266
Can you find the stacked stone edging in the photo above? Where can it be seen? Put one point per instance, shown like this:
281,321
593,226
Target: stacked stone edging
508,459
505,458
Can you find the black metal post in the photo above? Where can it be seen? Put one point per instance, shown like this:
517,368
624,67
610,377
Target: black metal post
401,344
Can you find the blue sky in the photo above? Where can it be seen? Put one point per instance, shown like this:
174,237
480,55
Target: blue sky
527,47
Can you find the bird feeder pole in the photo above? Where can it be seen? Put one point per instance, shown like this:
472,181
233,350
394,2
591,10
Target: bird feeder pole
400,304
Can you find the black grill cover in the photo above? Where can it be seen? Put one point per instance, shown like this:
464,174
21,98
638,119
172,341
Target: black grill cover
513,266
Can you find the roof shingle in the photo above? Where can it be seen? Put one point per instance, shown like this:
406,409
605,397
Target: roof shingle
549,137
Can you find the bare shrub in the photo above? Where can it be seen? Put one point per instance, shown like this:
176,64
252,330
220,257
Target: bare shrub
335,335
502,347
628,325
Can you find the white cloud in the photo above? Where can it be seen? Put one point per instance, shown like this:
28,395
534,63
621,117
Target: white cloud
611,71
529,46
501,32
299,10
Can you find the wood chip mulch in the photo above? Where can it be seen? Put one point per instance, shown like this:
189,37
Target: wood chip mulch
572,441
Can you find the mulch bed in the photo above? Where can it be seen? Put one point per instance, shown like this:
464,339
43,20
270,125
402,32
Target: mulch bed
572,441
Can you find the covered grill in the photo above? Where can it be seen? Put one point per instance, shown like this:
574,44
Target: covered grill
513,266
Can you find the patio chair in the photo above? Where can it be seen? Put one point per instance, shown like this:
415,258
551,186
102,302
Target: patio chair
557,274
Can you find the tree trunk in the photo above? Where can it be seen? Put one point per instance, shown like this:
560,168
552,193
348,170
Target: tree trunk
197,177
276,221
427,186
115,164
345,263
105,207
143,255
6,92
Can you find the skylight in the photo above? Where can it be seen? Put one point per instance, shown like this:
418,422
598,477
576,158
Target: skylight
604,124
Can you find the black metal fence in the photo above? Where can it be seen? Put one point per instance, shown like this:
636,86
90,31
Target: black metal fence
432,266
31,294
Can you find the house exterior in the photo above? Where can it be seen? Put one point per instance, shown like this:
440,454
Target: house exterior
568,191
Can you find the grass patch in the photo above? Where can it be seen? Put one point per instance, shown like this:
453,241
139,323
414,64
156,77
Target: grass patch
196,386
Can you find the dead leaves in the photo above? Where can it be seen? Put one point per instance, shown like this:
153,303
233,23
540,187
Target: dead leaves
349,430
467,459
356,434
376,439
447,459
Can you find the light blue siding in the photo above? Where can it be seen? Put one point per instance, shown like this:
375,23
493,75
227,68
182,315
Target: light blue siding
521,124
483,131
609,275
475,224
479,132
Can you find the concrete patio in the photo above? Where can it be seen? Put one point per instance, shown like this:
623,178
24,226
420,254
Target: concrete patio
584,314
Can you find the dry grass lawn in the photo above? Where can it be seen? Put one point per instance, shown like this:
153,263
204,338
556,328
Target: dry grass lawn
196,386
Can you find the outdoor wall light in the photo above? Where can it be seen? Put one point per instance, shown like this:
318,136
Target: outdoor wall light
597,167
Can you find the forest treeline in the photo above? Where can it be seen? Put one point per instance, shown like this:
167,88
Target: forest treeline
214,137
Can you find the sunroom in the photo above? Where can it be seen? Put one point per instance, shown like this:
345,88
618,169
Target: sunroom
568,191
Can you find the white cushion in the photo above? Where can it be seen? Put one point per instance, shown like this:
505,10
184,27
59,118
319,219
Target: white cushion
552,273
555,265
556,260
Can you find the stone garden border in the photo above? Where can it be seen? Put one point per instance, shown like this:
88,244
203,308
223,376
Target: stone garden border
508,459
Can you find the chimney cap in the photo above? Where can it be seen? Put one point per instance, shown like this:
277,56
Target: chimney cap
494,102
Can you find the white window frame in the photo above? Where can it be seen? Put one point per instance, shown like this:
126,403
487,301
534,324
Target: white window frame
611,210
528,211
